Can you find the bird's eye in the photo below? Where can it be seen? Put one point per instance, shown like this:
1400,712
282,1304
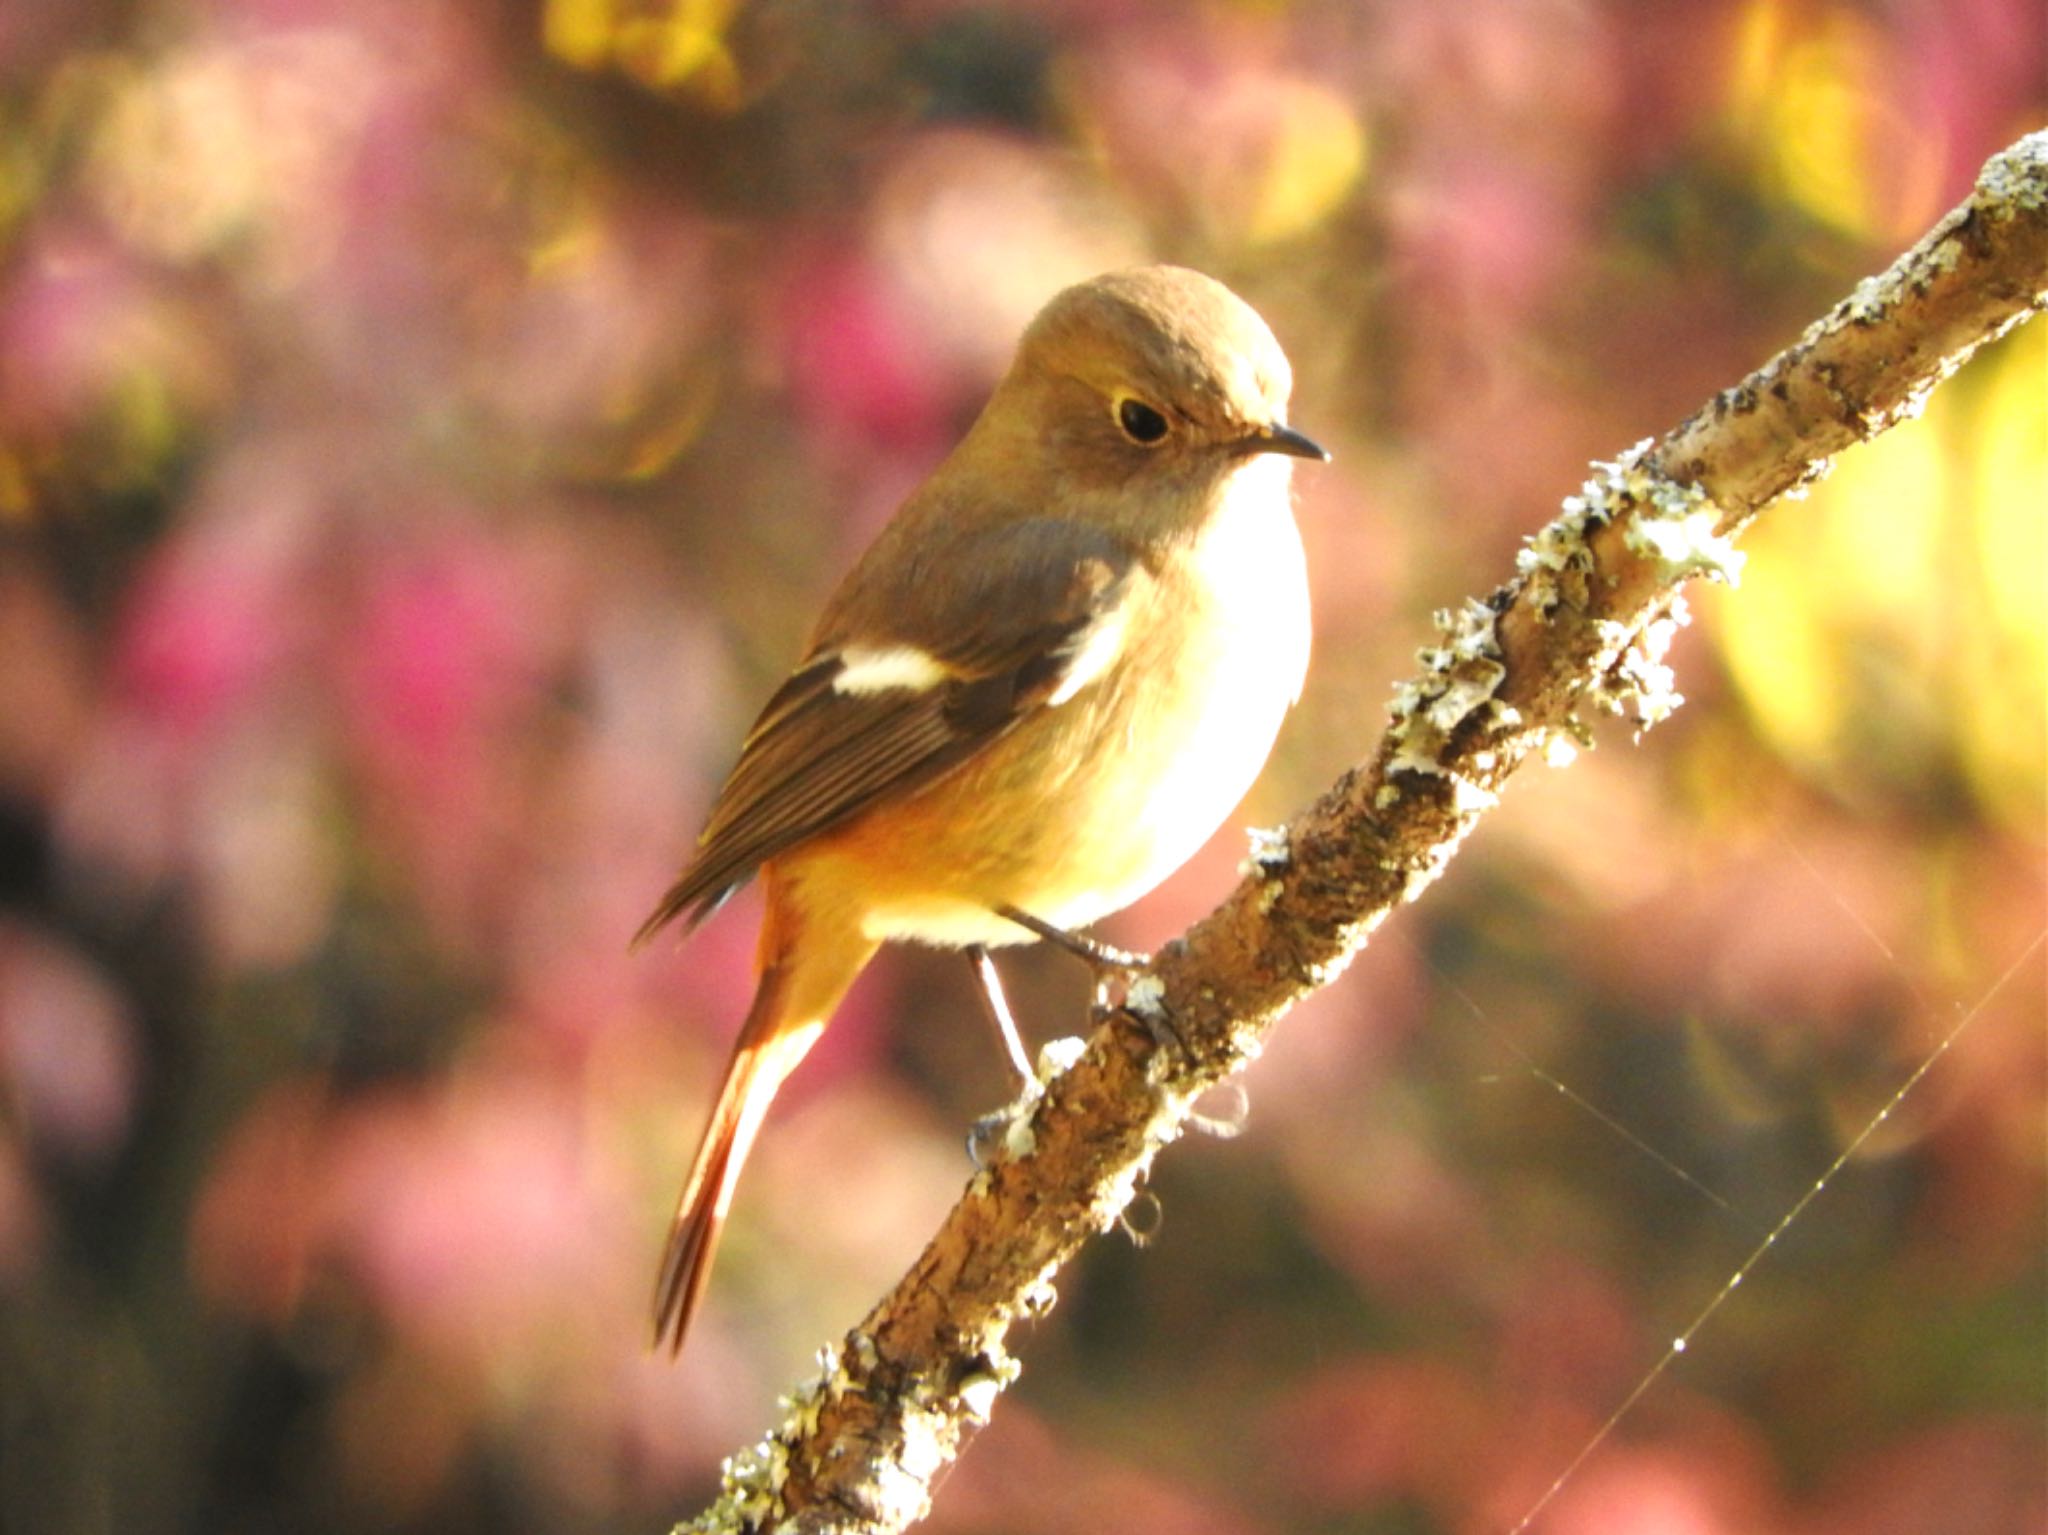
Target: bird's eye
1139,421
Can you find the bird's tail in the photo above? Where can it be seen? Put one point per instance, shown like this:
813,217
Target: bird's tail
769,1048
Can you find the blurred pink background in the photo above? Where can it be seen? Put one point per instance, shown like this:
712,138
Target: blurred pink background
425,432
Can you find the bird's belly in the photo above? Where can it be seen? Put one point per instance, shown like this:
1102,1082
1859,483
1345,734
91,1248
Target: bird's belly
1125,832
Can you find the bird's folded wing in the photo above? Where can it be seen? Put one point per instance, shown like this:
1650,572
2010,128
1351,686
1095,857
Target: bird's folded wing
1031,611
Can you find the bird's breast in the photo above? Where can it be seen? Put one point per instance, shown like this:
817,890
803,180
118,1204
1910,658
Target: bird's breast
1248,568
1209,681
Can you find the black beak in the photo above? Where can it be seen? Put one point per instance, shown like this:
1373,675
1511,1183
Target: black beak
1280,438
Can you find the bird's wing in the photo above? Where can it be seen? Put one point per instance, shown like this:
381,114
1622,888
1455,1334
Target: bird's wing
1031,612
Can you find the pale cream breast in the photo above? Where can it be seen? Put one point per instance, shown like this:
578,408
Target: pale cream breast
1211,711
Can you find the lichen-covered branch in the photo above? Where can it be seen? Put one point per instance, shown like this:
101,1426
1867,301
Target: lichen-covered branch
1583,621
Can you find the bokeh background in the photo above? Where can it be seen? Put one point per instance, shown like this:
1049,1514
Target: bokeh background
426,428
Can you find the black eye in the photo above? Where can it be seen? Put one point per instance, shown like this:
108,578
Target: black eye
1140,422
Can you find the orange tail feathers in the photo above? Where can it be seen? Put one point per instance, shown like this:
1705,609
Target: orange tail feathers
797,992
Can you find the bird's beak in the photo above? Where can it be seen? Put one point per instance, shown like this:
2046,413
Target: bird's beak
1278,437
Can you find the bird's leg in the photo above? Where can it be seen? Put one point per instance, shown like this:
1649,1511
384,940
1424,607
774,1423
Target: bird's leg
993,1136
996,1008
1109,963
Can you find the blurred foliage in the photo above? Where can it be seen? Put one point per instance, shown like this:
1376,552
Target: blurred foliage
425,429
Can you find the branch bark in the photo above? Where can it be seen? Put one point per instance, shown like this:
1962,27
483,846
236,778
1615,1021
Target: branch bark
1583,621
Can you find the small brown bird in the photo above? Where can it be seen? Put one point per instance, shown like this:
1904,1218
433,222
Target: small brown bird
1042,687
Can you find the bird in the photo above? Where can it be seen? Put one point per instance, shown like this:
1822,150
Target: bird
1051,676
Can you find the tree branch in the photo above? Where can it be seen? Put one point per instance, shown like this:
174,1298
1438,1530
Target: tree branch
1594,600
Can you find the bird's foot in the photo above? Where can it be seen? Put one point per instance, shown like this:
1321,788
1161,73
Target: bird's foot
1112,966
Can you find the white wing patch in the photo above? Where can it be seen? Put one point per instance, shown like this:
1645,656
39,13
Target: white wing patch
863,670
1103,645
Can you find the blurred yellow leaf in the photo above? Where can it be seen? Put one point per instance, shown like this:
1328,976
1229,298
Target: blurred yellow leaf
669,45
579,32
1879,528
1901,609
1317,153
1773,641
2003,652
1812,93
1759,40
1815,129
2011,460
